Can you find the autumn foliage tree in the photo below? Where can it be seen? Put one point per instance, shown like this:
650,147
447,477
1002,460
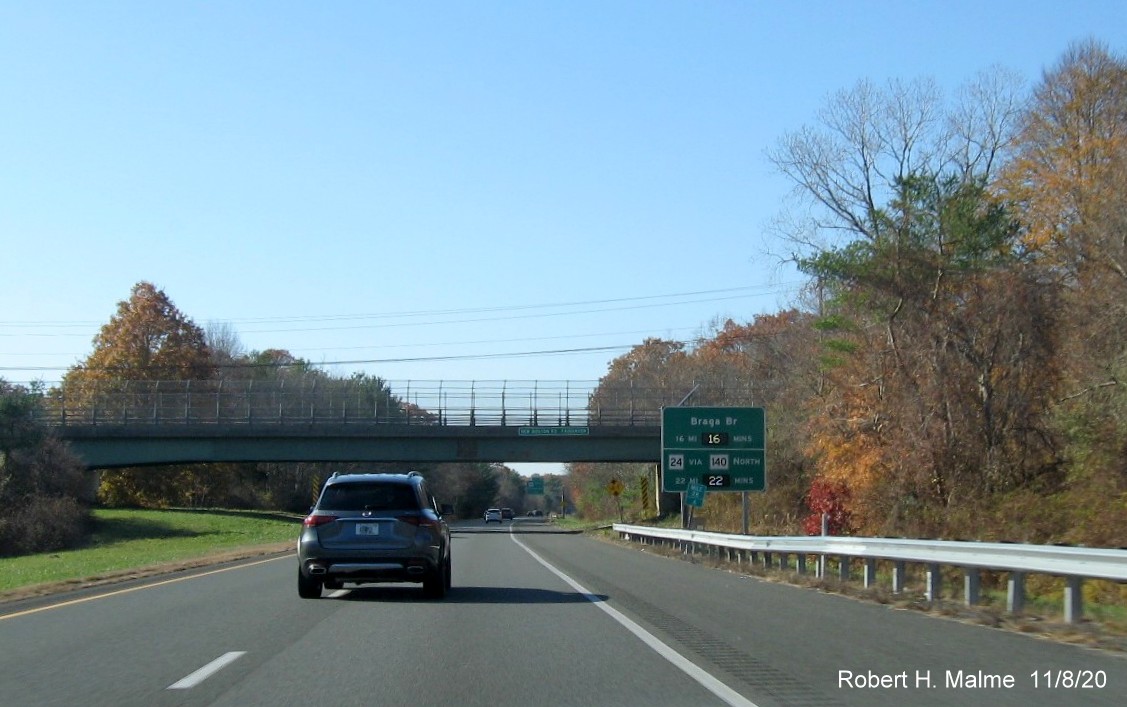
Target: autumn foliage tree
652,374
1068,185
147,339
769,362
827,499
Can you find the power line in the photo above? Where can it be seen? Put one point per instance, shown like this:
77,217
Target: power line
416,359
492,319
425,344
763,289
750,291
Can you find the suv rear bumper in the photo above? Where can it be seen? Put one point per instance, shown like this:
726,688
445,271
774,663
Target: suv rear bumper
414,569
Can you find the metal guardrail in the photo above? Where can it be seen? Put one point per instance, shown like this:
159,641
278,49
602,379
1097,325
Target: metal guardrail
1074,564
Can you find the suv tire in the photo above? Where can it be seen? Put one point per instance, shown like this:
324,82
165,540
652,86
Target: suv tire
308,587
435,585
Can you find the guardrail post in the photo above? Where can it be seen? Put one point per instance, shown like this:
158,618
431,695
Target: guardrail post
870,572
934,582
1073,599
899,574
784,561
843,568
1015,593
972,584
768,560
800,562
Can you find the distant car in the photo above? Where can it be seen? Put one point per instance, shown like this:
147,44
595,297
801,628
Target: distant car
493,514
538,513
507,513
374,528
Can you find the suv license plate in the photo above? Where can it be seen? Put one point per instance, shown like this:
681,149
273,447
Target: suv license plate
367,528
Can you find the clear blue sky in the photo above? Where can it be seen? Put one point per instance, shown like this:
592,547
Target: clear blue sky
305,170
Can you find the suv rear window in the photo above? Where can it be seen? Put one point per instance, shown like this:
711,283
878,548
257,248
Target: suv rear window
368,497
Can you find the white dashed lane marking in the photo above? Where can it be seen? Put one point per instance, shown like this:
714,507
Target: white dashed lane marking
207,671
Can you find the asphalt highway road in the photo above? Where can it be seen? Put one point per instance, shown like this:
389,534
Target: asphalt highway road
535,617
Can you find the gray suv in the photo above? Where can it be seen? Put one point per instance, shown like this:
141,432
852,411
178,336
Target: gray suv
374,528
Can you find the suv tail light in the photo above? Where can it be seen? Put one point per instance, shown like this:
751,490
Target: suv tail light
419,521
312,521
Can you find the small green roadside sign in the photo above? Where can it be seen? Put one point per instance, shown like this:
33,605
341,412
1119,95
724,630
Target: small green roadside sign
722,448
694,495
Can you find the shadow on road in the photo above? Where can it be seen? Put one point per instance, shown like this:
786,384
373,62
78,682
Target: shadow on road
466,595
515,530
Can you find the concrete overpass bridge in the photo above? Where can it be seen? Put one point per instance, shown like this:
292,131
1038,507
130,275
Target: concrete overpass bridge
137,423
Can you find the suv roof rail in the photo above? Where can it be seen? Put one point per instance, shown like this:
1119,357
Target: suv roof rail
413,473
335,475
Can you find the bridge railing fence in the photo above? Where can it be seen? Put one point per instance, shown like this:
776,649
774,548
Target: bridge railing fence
313,399
317,400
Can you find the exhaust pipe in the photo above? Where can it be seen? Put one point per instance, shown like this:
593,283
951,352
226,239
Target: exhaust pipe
415,569
317,569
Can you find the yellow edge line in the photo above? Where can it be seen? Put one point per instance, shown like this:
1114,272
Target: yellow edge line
137,589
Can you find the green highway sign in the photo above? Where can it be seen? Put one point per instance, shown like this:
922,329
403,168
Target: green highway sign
535,485
553,431
722,448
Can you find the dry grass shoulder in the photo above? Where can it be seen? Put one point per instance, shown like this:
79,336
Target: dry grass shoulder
156,570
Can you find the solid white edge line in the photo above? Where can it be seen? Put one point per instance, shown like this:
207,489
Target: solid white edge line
206,671
703,677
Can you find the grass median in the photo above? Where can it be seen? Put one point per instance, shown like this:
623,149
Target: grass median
128,543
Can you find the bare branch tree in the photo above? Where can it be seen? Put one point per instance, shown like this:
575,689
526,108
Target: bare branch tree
868,140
